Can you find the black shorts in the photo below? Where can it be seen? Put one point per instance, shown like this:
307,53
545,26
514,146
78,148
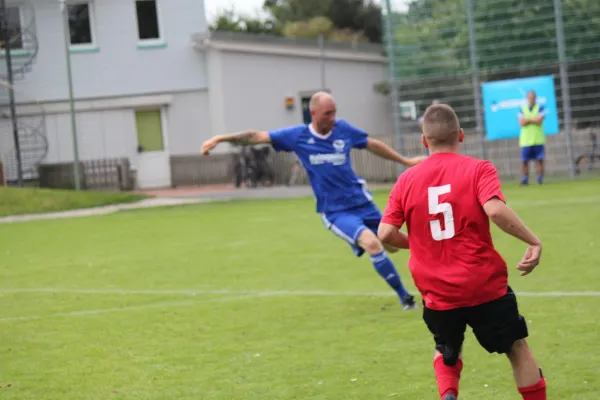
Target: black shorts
496,325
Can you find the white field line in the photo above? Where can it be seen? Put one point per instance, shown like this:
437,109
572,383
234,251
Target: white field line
165,304
230,295
259,293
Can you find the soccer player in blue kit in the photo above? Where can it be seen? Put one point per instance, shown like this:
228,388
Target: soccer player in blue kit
343,200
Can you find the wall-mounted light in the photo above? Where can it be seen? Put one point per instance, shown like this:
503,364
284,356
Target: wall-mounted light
290,102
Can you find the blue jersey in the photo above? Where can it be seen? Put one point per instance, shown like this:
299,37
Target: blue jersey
326,159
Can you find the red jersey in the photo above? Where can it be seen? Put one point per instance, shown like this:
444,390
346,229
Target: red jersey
452,258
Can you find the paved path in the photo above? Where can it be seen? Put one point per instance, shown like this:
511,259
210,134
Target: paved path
85,212
176,197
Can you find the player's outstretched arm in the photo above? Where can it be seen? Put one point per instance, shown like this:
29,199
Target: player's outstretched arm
240,138
507,220
392,235
382,150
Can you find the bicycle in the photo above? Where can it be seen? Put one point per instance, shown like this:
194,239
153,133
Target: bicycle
295,171
588,161
252,167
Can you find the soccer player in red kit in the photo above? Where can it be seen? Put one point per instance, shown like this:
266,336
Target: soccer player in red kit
446,202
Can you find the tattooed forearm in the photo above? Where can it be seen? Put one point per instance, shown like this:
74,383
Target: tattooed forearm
242,138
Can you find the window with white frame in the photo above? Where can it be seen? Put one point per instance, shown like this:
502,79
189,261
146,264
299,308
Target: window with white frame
14,25
147,20
80,24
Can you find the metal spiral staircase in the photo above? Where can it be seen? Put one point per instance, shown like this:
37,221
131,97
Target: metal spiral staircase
29,121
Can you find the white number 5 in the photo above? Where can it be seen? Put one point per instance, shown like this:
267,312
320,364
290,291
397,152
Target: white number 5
435,207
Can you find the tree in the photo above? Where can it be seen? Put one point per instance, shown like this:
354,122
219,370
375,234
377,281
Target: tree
317,26
311,28
285,11
228,20
351,19
433,38
339,20
514,39
430,40
357,16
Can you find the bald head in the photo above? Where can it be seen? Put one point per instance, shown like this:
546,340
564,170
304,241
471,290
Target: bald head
531,98
440,126
320,98
322,111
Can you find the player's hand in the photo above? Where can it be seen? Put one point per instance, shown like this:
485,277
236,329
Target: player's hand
210,144
530,260
411,162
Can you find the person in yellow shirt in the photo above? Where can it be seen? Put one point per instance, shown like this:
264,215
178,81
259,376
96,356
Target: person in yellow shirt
532,139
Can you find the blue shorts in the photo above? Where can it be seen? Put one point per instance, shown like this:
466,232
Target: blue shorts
349,224
532,153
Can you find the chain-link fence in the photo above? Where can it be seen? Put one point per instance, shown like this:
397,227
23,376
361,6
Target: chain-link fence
444,50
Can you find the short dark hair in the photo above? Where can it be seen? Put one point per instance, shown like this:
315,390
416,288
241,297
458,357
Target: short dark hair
440,125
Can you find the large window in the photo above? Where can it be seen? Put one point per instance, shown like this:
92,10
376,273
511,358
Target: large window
147,20
81,24
14,27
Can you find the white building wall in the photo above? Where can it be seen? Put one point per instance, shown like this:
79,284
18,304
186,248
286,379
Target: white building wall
205,92
117,67
254,87
189,122
100,134
106,129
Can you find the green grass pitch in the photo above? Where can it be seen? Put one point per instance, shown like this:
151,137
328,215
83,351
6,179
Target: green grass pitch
256,300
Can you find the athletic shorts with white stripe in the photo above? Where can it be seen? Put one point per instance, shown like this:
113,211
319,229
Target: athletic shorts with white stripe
349,224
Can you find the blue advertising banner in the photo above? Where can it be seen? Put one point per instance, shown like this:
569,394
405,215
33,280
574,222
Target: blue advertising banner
502,101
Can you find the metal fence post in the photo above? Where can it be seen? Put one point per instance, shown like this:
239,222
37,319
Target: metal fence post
65,22
11,93
391,53
322,56
564,84
475,77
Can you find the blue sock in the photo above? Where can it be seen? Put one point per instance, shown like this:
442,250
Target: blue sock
525,179
384,267
540,179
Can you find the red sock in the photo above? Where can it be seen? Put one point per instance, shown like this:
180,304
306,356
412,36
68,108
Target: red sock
534,392
447,377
